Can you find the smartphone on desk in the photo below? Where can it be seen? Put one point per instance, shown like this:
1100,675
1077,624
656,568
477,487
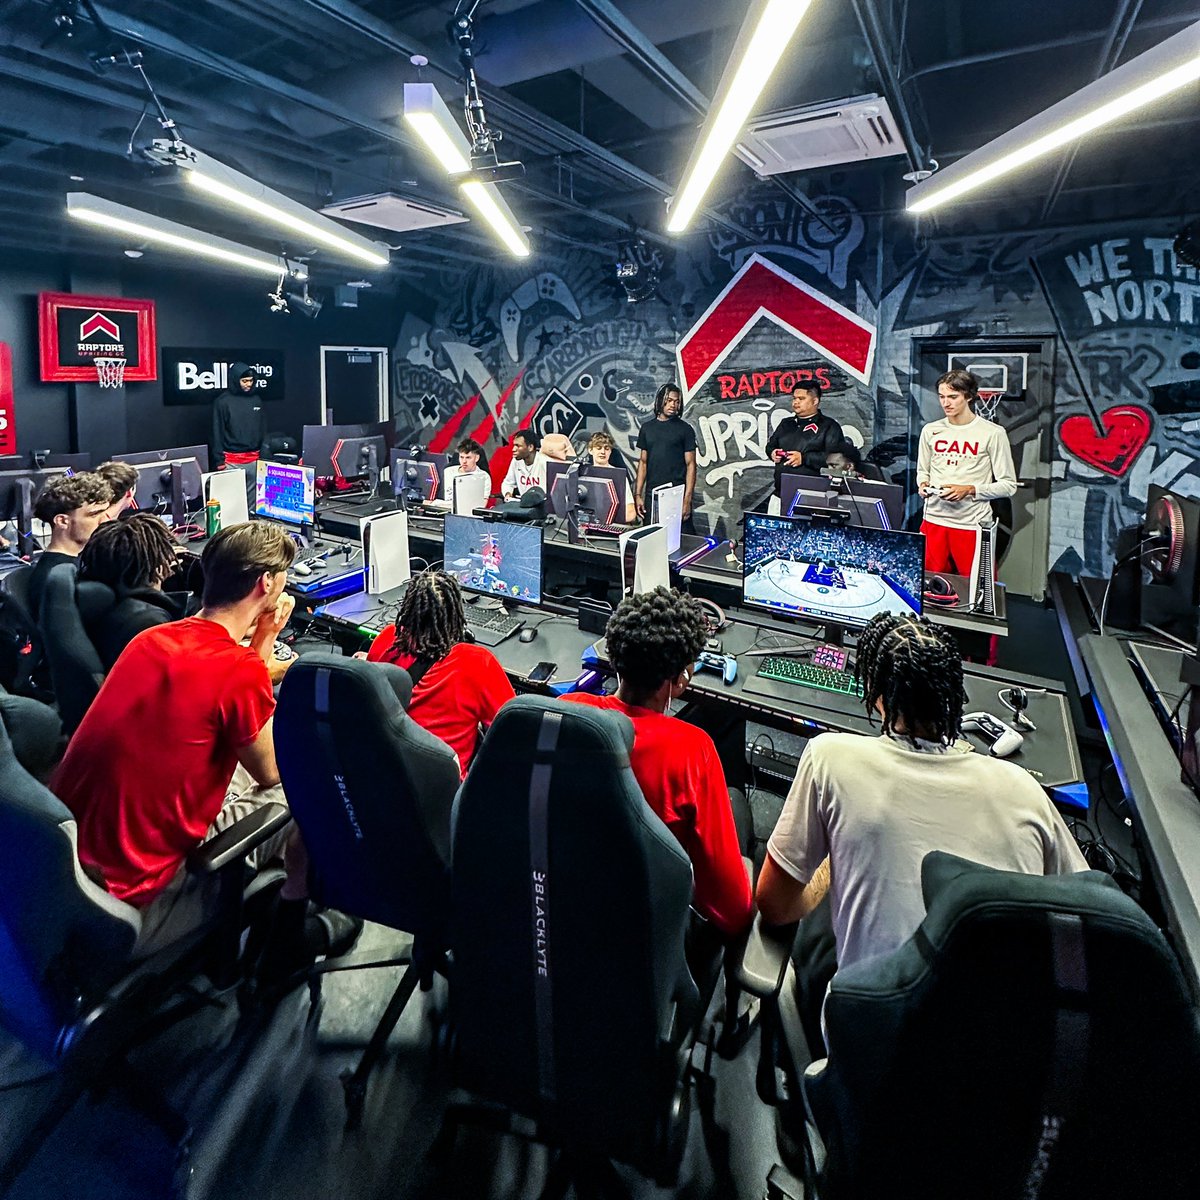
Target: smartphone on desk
542,673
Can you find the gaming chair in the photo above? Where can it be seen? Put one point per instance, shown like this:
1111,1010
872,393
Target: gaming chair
371,792
1035,1037
73,988
75,666
570,1000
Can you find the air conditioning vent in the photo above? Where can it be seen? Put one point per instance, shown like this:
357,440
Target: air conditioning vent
822,135
387,210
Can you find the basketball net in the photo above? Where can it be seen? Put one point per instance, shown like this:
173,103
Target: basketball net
110,372
988,402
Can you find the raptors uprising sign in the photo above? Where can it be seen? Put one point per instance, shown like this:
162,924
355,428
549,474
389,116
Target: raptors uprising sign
761,290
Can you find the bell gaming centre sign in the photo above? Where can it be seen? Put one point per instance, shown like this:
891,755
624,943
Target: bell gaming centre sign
192,375
74,331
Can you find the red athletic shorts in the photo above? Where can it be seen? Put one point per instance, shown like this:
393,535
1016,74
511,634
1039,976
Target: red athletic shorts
949,548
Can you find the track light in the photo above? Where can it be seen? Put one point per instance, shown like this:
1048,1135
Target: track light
241,191
119,218
762,42
426,112
1166,68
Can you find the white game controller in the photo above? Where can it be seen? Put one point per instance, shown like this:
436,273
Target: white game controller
1004,739
935,489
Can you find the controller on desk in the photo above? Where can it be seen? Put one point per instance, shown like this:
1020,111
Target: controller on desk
1004,739
724,665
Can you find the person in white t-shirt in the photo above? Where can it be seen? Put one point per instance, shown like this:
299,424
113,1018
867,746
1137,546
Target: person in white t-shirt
875,807
528,467
471,463
963,462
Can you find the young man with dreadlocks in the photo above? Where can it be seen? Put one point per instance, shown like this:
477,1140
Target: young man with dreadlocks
132,558
666,447
877,806
457,687
653,642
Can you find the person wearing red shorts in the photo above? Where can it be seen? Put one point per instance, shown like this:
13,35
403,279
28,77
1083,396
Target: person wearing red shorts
963,462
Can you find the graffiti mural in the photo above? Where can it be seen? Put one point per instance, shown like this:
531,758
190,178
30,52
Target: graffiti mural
567,347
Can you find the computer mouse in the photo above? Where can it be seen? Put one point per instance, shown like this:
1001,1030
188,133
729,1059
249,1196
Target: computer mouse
527,634
301,568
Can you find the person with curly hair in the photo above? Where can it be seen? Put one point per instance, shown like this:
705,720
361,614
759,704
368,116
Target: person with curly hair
653,642
876,806
73,506
132,558
457,687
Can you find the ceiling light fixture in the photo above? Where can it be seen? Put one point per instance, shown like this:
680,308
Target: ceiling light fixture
762,42
1166,68
119,218
216,179
426,112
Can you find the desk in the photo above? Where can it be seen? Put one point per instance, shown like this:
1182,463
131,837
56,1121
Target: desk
1050,754
1165,811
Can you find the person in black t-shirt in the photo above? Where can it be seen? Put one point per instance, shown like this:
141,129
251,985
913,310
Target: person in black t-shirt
73,506
802,442
668,453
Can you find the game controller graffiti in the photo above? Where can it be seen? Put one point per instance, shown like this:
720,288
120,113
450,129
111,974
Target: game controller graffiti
540,299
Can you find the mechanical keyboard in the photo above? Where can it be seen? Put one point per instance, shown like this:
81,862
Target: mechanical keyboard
490,626
599,530
806,674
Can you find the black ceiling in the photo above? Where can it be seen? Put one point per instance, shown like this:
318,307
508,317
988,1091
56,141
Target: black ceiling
306,95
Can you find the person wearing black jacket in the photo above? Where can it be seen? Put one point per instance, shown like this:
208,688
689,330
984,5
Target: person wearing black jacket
802,442
239,420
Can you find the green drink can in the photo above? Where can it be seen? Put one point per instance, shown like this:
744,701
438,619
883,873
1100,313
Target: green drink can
212,517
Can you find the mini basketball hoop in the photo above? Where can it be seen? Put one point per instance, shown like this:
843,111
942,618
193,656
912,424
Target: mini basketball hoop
110,372
988,402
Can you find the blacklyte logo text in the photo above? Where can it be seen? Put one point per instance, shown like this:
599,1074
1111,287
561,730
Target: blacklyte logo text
541,945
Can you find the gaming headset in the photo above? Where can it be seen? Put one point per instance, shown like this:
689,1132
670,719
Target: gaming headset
939,592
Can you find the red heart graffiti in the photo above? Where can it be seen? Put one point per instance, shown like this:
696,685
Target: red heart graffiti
1113,451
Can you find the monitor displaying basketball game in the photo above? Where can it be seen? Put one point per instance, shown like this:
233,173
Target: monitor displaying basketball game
834,573
494,558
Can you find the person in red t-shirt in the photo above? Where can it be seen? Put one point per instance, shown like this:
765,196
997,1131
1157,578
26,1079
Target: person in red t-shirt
653,641
178,743
457,687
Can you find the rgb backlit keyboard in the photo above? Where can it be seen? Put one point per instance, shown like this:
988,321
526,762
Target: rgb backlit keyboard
806,674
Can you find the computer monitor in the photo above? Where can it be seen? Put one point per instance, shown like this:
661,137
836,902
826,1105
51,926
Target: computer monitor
617,483
154,488
494,558
830,571
416,475
41,460
18,490
869,503
319,442
285,493
356,458
1171,581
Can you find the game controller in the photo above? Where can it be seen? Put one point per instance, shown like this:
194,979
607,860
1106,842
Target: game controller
1003,739
935,489
724,665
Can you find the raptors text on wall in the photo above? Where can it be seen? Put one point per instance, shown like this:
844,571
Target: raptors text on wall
73,331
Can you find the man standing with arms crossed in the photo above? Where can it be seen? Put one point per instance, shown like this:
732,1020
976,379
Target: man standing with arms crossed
667,446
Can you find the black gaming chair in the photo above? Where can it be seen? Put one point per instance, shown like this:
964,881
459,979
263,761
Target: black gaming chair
21,652
371,792
1034,1038
73,987
75,666
570,1000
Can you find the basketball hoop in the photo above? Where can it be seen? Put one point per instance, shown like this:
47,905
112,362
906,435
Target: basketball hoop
110,372
988,402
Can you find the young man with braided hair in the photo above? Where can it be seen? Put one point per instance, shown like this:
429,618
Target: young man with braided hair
653,642
877,806
131,557
457,687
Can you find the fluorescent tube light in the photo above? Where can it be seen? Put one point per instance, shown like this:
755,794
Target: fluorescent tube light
762,42
121,219
1166,68
426,112
241,191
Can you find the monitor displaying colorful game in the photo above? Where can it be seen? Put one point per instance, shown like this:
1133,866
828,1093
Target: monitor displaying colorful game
495,558
285,493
